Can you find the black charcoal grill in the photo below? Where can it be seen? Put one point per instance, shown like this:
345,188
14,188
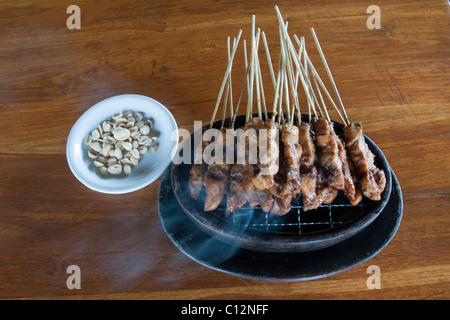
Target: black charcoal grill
296,231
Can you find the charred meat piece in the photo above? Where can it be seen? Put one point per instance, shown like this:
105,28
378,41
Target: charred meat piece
250,190
216,180
265,199
308,170
309,182
350,187
325,192
309,185
263,182
277,186
236,197
358,193
253,195
242,189
306,140
197,174
292,152
281,206
254,123
281,189
251,134
371,178
268,160
334,162
327,143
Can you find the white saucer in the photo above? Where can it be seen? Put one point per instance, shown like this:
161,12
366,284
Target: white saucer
152,164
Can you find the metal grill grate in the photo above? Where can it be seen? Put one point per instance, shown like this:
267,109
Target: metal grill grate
296,221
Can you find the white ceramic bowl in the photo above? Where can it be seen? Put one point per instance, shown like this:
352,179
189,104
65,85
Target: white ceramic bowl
152,164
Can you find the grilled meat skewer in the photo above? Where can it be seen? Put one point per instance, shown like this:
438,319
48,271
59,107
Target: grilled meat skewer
197,174
242,189
268,162
351,189
236,196
216,180
308,170
327,143
292,152
371,178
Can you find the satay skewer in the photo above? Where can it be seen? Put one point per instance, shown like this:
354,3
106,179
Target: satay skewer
216,175
322,85
344,120
297,62
263,99
256,73
242,189
371,179
229,88
286,99
296,104
198,171
266,48
229,78
330,76
225,78
247,80
290,83
252,73
245,83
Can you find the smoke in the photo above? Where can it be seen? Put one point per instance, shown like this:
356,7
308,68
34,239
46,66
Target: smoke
211,245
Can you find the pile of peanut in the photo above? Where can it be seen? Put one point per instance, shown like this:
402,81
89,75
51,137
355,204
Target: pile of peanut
117,144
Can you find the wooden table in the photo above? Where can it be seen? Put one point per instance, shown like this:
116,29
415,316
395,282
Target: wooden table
394,79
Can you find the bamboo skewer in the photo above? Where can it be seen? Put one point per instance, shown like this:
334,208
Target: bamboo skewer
286,94
284,88
229,78
280,93
269,60
298,63
320,96
288,81
228,89
247,77
245,81
317,77
330,76
261,85
255,70
225,79
299,113
292,67
276,89
252,73
293,83
311,88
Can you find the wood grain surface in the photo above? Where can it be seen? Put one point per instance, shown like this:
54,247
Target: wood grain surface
395,80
